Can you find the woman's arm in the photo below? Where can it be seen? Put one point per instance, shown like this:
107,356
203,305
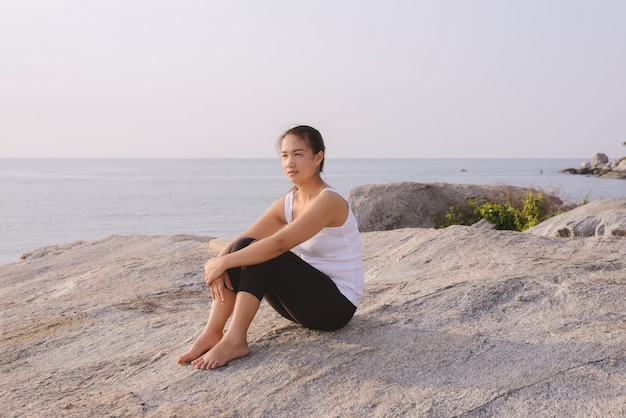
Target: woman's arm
267,224
329,209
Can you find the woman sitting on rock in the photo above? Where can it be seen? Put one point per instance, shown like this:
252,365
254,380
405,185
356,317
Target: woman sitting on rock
303,255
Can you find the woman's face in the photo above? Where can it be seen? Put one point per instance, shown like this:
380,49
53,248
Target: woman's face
298,160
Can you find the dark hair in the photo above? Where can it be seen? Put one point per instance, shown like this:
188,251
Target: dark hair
308,134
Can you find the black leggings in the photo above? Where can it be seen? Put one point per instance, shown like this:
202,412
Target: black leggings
295,289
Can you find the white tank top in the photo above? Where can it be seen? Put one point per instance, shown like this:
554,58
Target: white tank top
336,252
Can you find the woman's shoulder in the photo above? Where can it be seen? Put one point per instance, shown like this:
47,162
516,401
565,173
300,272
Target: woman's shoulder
333,194
278,206
336,204
330,189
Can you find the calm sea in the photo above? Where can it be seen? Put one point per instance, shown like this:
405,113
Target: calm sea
53,201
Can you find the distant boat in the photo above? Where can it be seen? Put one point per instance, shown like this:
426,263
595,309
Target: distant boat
463,170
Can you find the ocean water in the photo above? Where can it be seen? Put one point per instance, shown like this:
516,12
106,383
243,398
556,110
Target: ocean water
52,201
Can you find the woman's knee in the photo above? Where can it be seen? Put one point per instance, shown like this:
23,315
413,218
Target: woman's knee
242,243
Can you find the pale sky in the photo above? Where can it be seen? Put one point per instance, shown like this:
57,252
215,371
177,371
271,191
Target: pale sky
415,78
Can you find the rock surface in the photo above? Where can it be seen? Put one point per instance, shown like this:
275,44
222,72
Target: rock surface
383,207
601,217
456,322
601,166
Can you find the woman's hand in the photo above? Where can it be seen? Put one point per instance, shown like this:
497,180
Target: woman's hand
218,288
217,282
213,270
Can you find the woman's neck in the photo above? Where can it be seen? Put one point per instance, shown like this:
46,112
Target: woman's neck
310,190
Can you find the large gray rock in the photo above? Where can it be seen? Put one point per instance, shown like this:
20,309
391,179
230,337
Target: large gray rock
601,217
600,166
455,322
618,171
599,158
383,207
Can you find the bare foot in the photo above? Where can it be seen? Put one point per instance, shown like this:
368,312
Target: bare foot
223,352
203,343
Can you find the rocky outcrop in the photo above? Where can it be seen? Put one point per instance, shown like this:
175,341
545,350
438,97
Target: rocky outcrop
601,166
455,322
382,207
598,218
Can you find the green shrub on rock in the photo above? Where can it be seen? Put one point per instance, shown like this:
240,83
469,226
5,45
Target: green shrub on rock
515,216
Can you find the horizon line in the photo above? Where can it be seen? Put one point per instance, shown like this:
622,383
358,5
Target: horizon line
272,158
